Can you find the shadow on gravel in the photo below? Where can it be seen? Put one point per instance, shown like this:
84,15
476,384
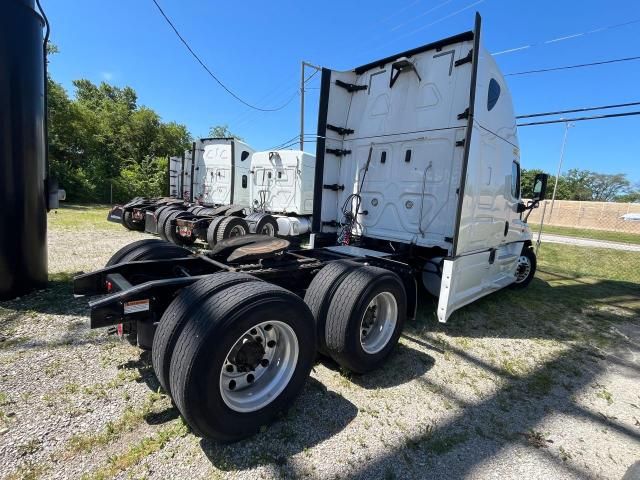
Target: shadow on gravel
318,414
581,315
56,299
403,365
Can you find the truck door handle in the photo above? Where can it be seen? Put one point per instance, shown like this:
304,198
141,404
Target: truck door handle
506,228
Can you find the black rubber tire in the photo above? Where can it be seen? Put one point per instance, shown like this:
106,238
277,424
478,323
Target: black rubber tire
258,221
530,254
220,321
212,231
117,257
345,313
128,217
227,225
172,235
127,221
320,292
177,315
158,251
193,209
159,210
162,221
206,212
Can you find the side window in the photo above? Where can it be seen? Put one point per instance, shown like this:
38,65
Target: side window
244,155
244,181
515,180
493,95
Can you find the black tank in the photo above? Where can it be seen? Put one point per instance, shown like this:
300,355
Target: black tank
23,222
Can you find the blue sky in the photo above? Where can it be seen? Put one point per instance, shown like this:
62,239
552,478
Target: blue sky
256,48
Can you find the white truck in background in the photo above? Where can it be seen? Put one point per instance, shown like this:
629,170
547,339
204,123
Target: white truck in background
214,172
417,181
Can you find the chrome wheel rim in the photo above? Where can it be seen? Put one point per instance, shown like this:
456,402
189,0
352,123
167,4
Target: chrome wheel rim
259,366
523,268
378,322
237,231
267,229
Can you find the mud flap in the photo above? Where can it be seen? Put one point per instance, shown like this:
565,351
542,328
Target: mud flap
150,222
115,214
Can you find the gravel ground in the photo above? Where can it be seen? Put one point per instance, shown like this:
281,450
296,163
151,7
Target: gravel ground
586,242
510,388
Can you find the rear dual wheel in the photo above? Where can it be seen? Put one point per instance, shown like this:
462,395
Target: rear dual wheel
359,312
171,230
222,228
127,221
241,356
147,249
262,224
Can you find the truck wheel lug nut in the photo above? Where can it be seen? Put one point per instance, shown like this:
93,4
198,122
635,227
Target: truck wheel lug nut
232,384
271,343
264,362
229,368
268,327
254,331
250,378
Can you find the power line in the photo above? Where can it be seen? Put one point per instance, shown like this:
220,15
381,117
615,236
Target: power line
567,37
586,109
414,18
580,119
553,69
229,91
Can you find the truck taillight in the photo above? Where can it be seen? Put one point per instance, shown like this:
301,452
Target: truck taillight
109,286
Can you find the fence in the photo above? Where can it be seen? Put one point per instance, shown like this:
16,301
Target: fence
590,215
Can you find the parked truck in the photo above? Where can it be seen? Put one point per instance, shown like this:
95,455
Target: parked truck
212,173
280,185
417,184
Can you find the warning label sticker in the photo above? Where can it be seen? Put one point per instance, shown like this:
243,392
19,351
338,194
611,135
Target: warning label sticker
136,306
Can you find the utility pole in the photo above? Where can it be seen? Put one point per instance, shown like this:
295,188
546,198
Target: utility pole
302,65
567,125
303,81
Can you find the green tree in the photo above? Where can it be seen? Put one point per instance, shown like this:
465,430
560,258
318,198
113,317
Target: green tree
577,184
102,138
222,131
526,181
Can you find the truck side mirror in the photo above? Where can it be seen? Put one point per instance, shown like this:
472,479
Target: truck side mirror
540,186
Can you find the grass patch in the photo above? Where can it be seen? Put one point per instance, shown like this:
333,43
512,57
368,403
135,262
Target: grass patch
92,217
590,262
605,395
139,451
126,423
606,235
28,471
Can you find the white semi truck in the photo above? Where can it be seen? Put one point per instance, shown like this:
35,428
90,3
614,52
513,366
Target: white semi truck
213,173
417,183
